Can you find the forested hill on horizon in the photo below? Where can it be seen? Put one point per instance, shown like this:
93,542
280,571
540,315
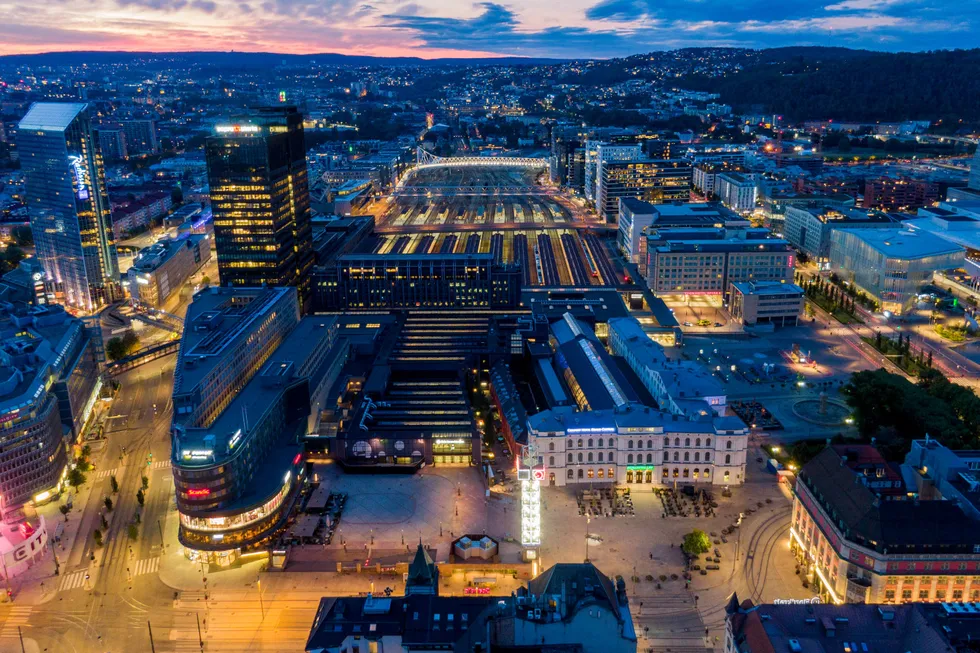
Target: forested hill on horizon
800,82
841,84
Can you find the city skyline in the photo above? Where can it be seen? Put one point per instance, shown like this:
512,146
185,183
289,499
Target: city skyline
433,29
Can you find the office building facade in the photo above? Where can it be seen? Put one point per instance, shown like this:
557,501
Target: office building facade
252,379
160,270
49,381
412,281
260,199
808,227
647,180
711,266
68,204
766,302
737,191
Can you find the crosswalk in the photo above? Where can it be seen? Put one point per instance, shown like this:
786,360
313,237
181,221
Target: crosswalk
17,617
104,473
160,464
147,566
72,581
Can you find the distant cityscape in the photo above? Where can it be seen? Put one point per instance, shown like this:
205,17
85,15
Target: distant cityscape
327,354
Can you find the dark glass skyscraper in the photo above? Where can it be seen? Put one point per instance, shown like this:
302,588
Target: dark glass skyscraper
260,198
68,204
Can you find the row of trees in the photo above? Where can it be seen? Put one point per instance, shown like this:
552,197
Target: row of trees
896,411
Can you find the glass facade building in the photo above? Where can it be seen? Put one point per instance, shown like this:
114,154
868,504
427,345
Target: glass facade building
891,265
68,204
260,199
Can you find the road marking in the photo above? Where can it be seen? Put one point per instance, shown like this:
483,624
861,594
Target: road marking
147,566
104,473
160,464
18,616
72,581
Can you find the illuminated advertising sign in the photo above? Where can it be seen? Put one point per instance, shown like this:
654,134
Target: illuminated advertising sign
196,493
80,177
237,129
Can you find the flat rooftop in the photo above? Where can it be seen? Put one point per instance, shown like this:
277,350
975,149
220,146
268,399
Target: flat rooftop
230,315
905,244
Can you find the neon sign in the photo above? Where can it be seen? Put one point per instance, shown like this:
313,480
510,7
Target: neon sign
198,492
236,129
81,177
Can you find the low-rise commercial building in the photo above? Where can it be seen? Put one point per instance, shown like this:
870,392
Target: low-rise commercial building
891,265
251,381
766,302
865,532
679,387
808,227
160,270
49,382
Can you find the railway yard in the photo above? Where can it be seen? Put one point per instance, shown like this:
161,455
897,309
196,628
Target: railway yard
512,213
474,197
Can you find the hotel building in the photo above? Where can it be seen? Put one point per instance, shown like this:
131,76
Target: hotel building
866,531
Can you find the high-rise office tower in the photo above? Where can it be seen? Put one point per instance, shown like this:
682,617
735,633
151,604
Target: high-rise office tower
68,204
260,198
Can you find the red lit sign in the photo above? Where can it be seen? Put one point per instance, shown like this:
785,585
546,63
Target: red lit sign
538,474
297,458
198,492
476,590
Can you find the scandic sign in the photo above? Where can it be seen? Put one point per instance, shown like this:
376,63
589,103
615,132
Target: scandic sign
198,492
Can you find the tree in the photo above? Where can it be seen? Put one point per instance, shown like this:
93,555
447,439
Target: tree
177,195
140,497
97,535
120,347
844,144
114,483
133,531
64,510
76,477
108,504
23,236
696,542
205,280
145,482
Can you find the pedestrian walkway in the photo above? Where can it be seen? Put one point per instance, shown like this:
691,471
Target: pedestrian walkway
17,617
160,464
104,473
72,581
147,566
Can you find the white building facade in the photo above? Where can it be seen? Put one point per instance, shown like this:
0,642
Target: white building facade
636,447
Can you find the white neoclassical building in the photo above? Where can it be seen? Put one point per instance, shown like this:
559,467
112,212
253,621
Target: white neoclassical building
637,445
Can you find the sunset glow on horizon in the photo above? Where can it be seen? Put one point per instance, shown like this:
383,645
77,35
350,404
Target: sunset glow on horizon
435,28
